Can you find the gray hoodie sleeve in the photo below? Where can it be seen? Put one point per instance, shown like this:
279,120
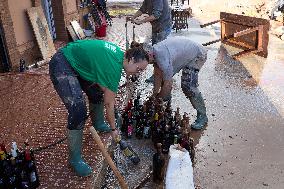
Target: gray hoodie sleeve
158,6
163,62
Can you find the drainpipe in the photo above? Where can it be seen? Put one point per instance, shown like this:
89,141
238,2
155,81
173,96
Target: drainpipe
6,63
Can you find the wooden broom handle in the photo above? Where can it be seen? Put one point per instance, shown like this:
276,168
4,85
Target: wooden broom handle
99,142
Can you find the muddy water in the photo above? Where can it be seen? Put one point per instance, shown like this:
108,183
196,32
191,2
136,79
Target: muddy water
243,138
242,144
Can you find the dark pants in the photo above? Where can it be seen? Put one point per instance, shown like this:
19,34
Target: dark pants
69,87
189,78
160,36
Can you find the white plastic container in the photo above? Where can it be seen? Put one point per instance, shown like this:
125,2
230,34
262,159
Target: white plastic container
179,171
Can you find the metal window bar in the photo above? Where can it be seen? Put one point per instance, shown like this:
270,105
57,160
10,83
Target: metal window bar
49,17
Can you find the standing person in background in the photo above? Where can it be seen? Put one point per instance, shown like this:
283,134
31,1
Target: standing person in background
95,67
169,57
159,15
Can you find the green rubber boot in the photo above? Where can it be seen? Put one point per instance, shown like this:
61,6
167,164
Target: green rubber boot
198,104
75,153
98,118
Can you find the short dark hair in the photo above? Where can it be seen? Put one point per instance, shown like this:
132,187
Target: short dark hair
137,52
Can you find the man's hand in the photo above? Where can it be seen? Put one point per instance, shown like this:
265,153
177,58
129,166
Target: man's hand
154,96
129,18
138,22
114,135
166,89
158,78
166,97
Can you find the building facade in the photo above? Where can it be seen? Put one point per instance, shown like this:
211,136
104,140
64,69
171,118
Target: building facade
17,40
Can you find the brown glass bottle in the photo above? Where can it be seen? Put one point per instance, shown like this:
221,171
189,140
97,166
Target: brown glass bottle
31,169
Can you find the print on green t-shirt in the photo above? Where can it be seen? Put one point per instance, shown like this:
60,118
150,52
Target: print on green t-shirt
97,61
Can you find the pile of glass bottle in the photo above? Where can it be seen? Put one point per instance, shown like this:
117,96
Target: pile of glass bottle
17,168
156,120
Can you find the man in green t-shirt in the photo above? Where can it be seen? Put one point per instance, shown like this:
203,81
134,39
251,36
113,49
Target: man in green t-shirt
95,67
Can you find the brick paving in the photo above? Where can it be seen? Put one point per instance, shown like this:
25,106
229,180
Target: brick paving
31,109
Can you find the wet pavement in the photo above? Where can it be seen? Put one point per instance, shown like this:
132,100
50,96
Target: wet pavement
245,101
245,105
242,146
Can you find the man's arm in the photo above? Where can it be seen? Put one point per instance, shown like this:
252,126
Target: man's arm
137,14
146,19
156,12
158,7
142,10
166,89
157,80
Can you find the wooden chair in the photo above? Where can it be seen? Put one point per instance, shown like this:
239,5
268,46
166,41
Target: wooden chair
180,18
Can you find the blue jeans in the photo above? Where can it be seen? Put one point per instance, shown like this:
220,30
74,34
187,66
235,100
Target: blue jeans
69,86
158,37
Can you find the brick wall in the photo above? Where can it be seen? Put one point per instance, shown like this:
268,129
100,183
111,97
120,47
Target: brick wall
58,14
62,18
8,30
30,50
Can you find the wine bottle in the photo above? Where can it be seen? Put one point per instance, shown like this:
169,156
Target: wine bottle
128,151
2,174
136,102
14,150
129,131
3,148
10,172
2,155
31,169
158,164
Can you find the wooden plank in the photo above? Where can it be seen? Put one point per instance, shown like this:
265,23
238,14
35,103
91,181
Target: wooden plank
260,41
237,34
41,31
211,42
243,20
72,33
77,29
244,53
246,31
210,23
222,29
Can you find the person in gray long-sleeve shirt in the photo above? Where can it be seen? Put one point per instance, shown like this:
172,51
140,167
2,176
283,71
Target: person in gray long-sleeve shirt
159,16
172,55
